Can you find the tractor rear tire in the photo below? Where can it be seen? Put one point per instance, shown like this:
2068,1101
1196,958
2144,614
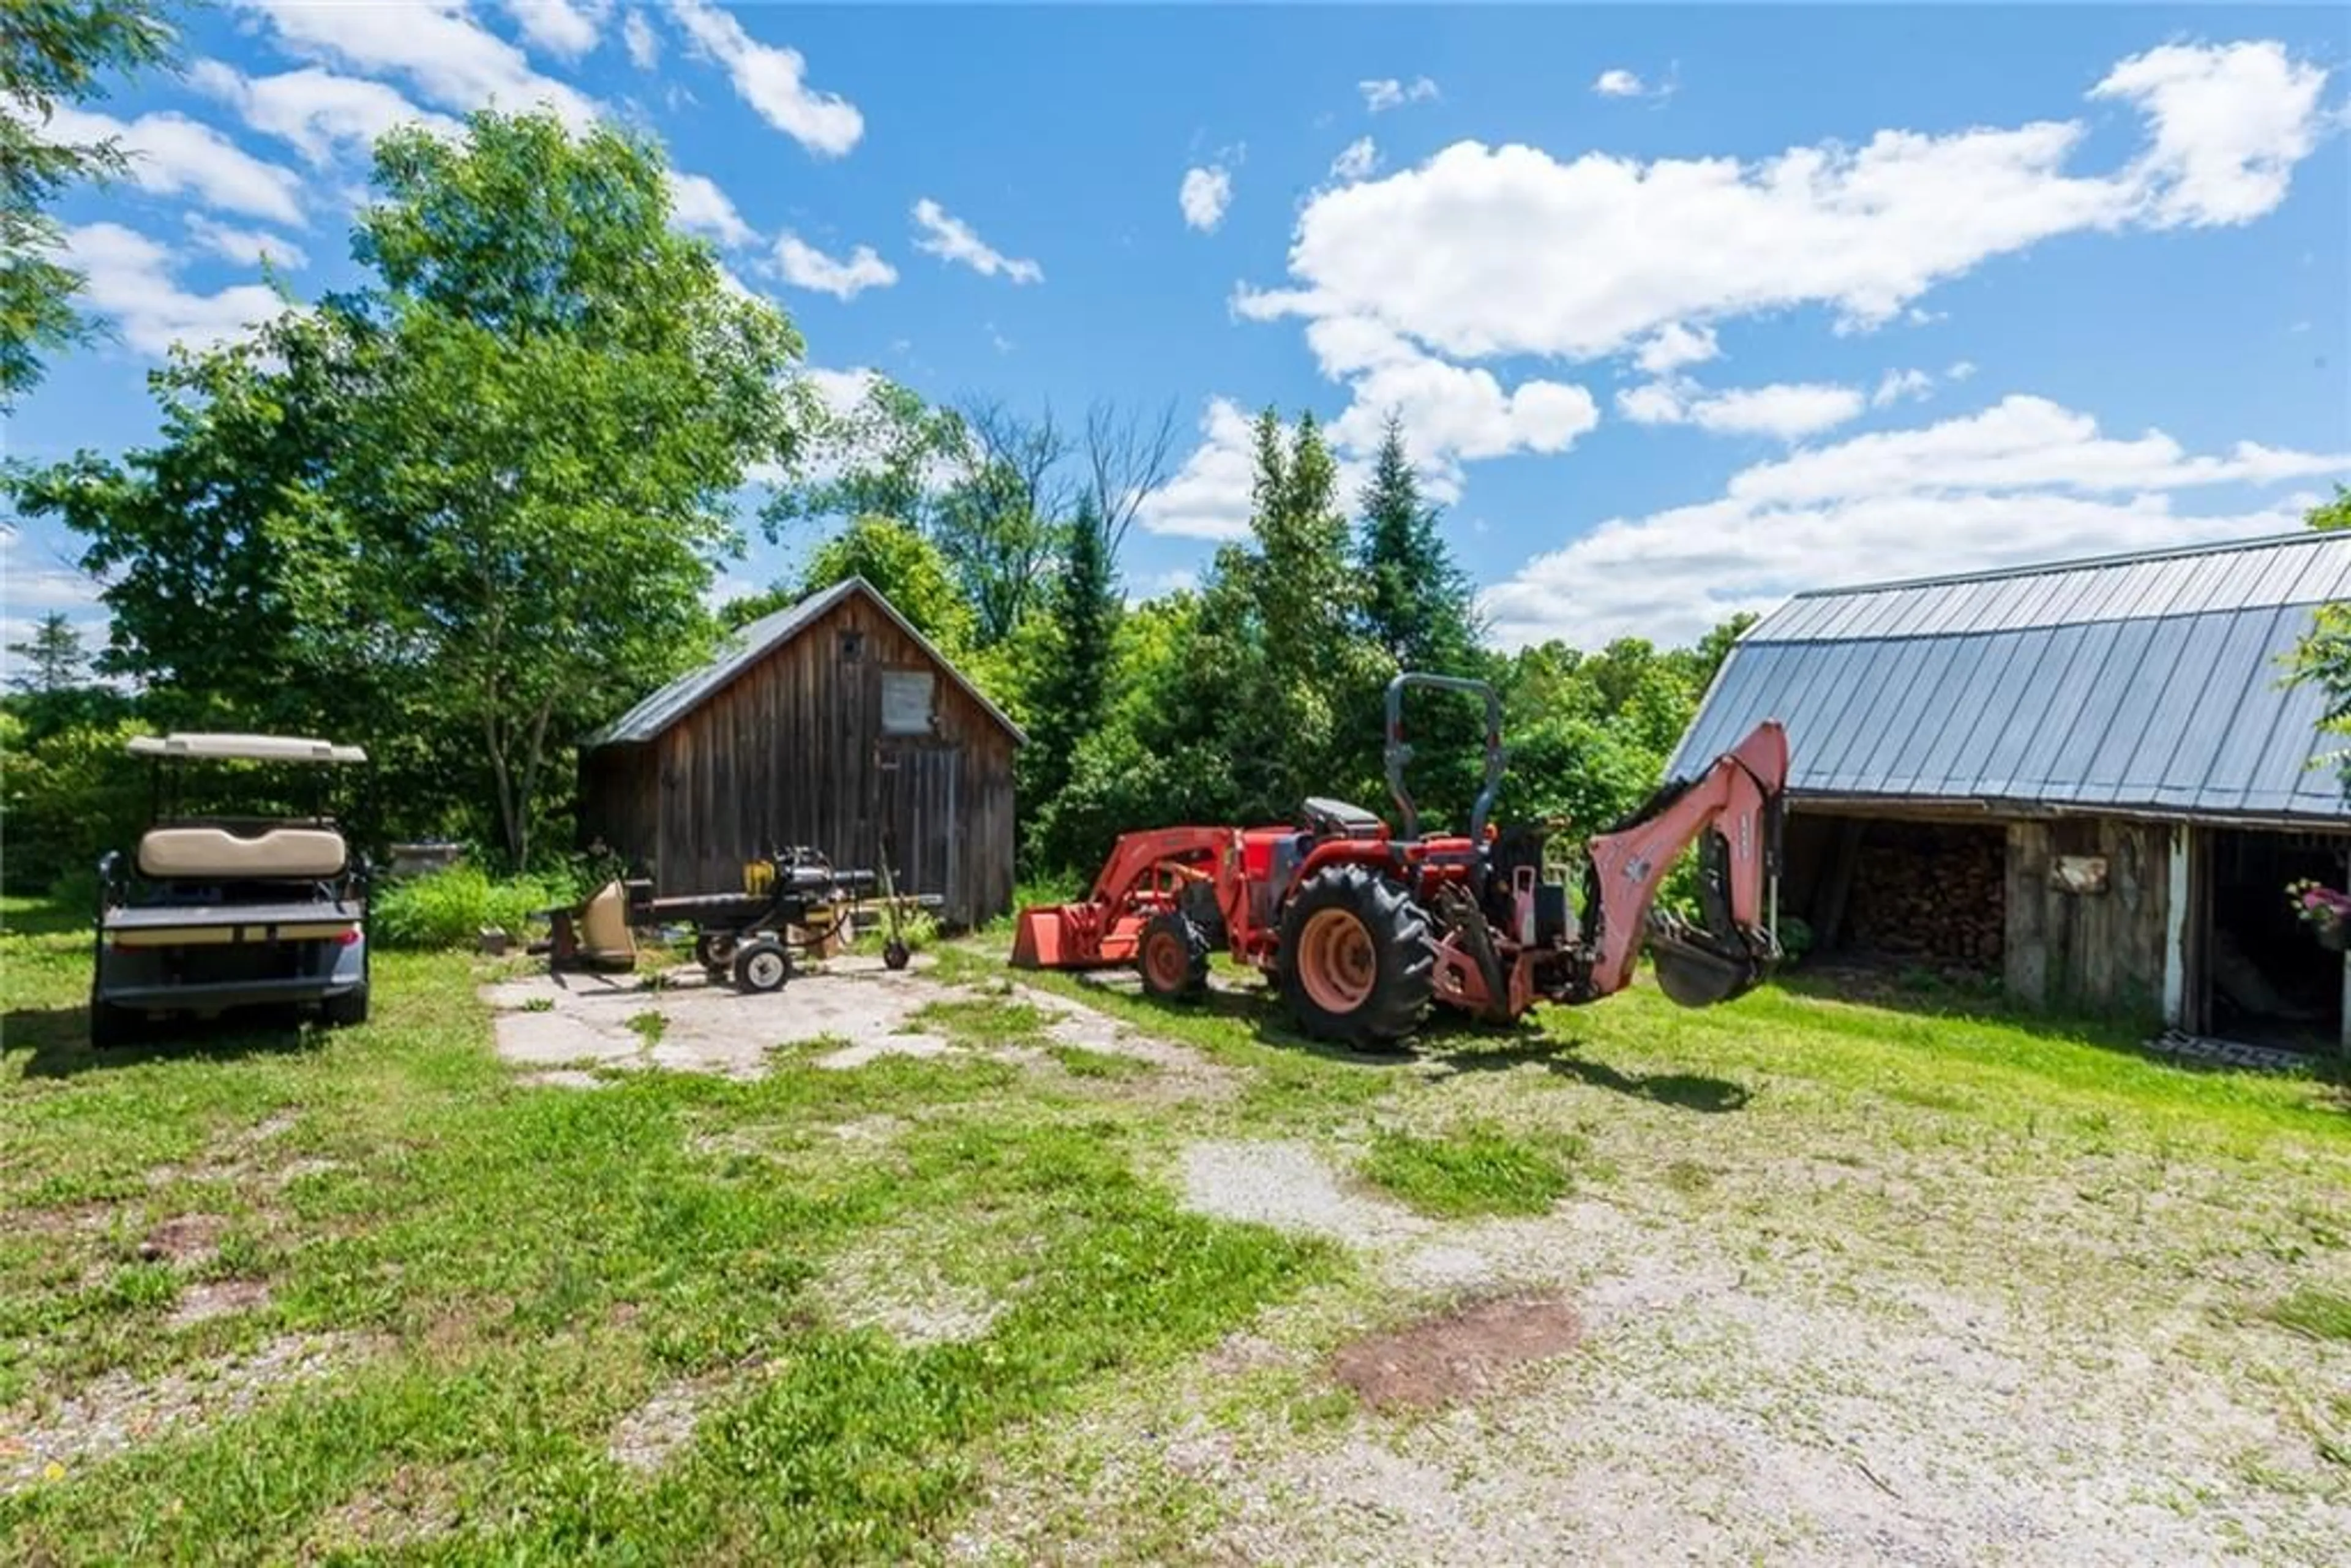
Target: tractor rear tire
1357,965
1173,956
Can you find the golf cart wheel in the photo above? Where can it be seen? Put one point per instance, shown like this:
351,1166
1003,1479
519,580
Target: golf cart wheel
1357,962
895,954
1173,956
350,1008
714,951
762,965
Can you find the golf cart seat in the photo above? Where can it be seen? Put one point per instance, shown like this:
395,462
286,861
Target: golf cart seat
215,854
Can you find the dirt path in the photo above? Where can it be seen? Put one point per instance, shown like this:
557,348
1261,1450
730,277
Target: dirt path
1715,1406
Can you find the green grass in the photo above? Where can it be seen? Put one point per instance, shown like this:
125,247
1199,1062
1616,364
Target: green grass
515,1270
1079,1062
2320,1313
981,1021
1475,1169
526,1266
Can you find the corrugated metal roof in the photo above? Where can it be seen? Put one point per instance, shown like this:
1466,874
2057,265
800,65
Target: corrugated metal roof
755,642
2145,682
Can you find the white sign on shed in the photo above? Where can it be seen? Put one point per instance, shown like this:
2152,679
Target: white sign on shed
906,701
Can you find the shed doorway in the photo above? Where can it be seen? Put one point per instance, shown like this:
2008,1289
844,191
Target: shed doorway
2265,979
920,795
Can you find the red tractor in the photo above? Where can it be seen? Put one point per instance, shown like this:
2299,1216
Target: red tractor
1362,926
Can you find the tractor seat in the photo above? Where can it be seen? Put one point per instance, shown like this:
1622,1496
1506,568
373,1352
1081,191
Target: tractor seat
1338,820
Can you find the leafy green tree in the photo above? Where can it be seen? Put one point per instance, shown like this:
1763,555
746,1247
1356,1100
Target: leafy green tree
906,569
50,659
2323,657
54,52
473,505
67,797
890,456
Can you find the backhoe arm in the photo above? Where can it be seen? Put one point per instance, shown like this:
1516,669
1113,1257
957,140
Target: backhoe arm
1731,811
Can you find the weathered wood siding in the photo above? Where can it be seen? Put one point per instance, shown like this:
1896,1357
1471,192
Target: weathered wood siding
2088,952
792,752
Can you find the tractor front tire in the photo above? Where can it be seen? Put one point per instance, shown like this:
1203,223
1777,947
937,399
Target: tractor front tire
1173,956
1357,966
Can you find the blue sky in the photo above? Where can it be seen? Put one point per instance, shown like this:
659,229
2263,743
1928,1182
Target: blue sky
1686,308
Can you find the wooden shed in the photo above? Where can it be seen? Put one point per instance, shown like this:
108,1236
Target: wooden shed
2088,780
818,725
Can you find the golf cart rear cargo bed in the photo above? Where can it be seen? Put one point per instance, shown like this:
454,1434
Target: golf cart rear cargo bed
248,922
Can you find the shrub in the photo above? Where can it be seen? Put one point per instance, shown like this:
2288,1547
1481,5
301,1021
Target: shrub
449,908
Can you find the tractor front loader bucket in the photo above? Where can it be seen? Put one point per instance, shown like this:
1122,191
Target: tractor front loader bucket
1037,939
1067,936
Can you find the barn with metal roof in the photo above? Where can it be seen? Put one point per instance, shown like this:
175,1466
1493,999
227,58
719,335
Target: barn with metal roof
2089,779
832,723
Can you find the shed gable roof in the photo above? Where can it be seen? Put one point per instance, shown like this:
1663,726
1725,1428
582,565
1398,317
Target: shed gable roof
753,642
2143,682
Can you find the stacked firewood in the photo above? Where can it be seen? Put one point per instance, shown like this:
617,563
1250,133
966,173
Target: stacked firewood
1929,893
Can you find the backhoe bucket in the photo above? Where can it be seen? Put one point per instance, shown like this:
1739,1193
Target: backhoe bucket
1697,976
1701,968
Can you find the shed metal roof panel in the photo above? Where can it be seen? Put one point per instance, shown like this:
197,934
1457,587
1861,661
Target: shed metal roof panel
2144,682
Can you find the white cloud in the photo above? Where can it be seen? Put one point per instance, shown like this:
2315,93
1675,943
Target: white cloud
173,156
1177,580
803,265
314,109
567,29
1451,413
2230,125
1960,369
1485,251
1900,384
1204,196
2024,480
1208,498
773,81
1674,346
1787,409
2018,442
128,277
436,45
1388,92
645,44
698,205
949,238
48,588
1358,160
247,248
1618,82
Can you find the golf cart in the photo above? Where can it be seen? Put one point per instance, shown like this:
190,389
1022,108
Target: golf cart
215,911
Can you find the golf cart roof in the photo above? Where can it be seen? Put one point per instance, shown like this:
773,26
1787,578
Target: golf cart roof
245,748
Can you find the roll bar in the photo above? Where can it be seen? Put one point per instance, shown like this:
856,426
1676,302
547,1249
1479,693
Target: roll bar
1399,751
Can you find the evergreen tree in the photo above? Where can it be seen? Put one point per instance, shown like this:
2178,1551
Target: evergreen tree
1072,691
52,660
1418,603
1418,613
